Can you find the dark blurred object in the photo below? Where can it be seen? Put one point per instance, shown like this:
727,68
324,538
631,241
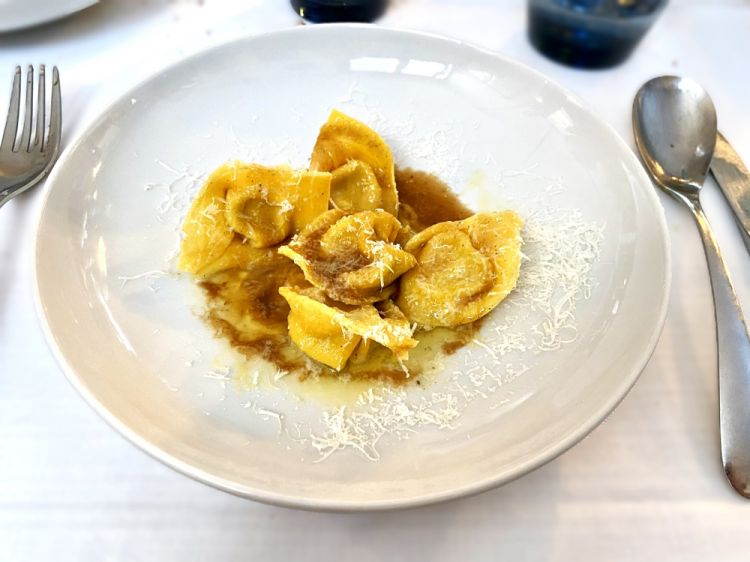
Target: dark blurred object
590,33
326,11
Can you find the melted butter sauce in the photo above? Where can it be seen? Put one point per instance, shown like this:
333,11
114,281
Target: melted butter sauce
245,309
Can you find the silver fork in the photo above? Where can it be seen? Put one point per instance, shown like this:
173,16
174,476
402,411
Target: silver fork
26,160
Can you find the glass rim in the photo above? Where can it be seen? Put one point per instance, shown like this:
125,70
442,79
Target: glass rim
658,7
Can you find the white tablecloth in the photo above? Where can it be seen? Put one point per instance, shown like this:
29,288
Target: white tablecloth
646,485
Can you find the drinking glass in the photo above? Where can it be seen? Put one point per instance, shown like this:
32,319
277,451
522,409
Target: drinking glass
324,11
590,33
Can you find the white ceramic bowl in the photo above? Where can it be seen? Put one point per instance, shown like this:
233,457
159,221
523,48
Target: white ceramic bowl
503,135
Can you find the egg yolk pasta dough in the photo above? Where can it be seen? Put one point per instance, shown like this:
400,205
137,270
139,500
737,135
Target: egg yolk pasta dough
464,269
324,270
257,206
352,257
343,140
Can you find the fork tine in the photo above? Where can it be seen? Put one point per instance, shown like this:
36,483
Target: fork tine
55,115
29,111
41,105
11,123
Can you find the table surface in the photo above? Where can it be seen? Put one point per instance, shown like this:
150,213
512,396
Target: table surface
645,485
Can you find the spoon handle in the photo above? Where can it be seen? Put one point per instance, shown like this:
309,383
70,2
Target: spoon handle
733,344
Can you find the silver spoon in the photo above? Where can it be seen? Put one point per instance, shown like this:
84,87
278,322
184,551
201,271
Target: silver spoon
675,130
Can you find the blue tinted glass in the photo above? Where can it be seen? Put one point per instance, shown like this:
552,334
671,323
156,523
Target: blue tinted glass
590,33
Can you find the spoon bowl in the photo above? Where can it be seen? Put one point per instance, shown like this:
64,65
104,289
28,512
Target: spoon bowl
675,130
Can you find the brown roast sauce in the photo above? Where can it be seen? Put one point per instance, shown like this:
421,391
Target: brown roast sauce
461,336
273,349
430,198
245,309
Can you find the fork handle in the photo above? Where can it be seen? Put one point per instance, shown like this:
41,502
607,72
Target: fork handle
5,195
9,190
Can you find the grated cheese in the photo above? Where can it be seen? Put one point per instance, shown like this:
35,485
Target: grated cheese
561,248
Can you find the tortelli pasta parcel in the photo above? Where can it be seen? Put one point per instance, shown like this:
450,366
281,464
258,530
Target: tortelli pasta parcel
349,269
